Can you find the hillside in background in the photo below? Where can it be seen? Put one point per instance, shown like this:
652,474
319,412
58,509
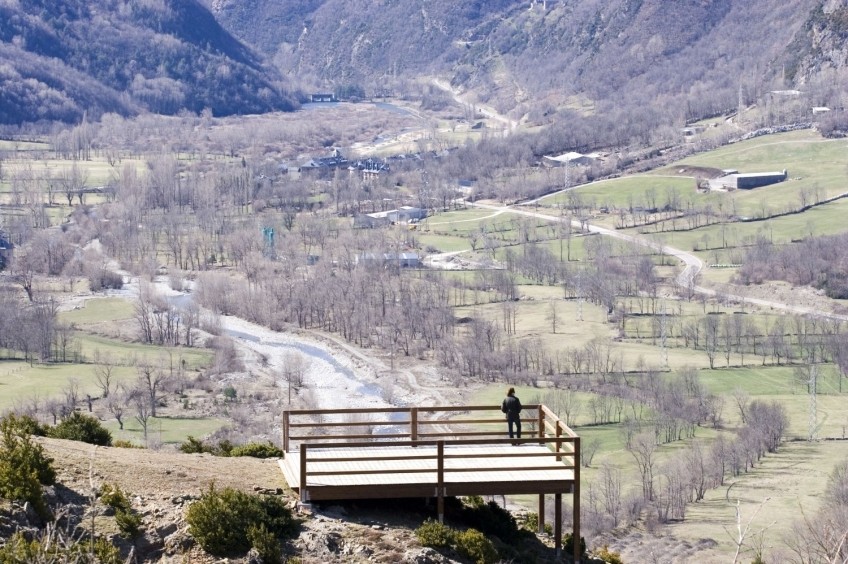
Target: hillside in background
691,56
62,58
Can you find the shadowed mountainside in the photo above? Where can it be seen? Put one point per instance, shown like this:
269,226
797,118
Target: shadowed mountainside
62,58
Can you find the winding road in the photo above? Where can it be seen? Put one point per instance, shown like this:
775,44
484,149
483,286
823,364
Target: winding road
686,279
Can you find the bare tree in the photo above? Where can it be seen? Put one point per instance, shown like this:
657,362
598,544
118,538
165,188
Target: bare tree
552,316
117,404
151,380
143,410
643,448
104,372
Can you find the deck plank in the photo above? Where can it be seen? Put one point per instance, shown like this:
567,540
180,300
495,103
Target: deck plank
465,465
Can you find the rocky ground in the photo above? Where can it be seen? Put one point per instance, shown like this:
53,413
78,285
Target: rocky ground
161,485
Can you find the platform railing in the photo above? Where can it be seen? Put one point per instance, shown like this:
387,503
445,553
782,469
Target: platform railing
339,430
413,424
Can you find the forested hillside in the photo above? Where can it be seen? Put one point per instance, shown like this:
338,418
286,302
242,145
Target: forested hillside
692,56
61,58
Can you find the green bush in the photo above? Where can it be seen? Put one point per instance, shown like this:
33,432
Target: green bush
230,393
81,427
220,520
475,546
53,548
193,446
121,443
257,450
128,521
227,448
24,467
114,497
266,544
568,545
434,534
27,425
491,519
608,556
531,524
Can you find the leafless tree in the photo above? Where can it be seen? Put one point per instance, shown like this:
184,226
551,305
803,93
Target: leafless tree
643,448
151,380
143,410
117,403
104,372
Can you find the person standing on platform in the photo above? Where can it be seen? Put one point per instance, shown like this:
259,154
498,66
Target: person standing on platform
512,407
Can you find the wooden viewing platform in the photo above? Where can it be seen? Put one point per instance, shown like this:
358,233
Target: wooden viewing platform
432,452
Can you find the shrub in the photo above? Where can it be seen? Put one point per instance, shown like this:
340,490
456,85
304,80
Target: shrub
81,427
532,524
52,547
608,556
490,518
193,446
24,467
257,450
220,520
128,521
568,545
230,393
265,543
114,497
27,425
475,546
121,443
434,534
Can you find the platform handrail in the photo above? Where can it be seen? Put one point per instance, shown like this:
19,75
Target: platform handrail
545,422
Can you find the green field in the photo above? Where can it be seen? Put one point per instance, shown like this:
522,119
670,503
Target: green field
164,430
629,191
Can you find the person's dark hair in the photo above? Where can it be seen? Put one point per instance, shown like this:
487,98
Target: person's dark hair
510,392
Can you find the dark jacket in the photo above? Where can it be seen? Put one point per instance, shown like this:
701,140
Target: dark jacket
511,406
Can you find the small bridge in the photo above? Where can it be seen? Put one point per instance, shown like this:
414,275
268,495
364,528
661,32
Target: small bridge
432,452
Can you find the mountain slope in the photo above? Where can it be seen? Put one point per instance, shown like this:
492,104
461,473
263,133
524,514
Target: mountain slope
61,58
696,52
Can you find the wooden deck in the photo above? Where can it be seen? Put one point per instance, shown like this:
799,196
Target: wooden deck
430,452
413,471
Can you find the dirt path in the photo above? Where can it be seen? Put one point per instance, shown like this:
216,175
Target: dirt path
487,111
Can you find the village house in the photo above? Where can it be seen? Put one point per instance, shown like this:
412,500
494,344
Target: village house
321,166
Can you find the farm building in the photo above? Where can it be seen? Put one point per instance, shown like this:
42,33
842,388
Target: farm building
5,250
570,159
323,97
404,214
386,260
747,181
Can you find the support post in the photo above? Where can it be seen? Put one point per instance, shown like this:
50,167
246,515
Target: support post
575,490
285,431
440,480
558,443
558,524
541,422
413,424
541,518
304,497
